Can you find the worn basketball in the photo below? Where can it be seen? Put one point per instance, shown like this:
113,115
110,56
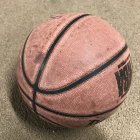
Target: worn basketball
74,70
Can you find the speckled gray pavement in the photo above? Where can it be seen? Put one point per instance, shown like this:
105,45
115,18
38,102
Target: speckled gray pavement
17,19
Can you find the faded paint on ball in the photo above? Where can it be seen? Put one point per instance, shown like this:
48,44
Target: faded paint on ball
74,70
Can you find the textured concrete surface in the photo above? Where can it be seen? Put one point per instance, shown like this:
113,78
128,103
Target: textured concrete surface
17,19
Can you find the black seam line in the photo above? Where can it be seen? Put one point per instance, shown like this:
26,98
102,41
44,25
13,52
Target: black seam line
26,78
38,114
22,63
50,120
35,86
33,101
85,77
52,48
49,51
76,83
67,114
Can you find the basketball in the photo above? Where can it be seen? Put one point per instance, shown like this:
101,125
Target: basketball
74,70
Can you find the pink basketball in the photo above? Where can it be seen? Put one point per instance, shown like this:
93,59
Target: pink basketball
74,70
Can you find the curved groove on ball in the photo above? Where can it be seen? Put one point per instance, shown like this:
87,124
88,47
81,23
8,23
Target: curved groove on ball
35,85
82,79
67,114
22,64
85,77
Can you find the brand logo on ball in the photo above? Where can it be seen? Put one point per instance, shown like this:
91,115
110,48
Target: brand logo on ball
123,77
